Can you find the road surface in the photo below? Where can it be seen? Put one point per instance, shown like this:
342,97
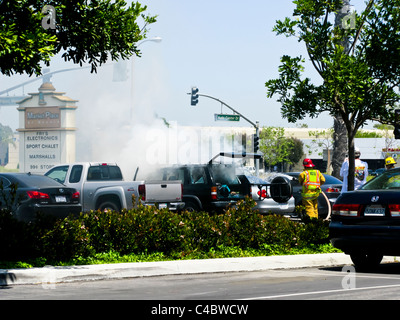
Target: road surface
330,283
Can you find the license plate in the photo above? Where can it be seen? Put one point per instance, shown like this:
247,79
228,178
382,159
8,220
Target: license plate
162,205
61,199
378,211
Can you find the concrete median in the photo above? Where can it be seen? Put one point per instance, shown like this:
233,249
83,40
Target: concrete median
50,275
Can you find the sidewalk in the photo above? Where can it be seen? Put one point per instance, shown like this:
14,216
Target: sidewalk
51,274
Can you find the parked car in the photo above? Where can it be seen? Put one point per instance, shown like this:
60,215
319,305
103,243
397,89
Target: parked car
102,187
366,223
260,191
26,194
332,189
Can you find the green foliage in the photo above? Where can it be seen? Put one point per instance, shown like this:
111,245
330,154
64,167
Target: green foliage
274,146
156,234
358,65
24,44
86,31
60,240
364,134
297,150
6,135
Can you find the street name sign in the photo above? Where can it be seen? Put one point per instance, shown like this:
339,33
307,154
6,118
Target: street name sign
227,117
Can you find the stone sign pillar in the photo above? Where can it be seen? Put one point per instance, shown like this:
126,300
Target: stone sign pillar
46,130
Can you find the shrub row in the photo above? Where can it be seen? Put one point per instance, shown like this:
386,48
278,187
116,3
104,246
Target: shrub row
150,230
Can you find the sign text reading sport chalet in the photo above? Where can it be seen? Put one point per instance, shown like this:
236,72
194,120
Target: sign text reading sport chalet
43,115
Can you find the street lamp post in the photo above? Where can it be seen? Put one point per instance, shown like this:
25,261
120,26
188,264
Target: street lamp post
154,39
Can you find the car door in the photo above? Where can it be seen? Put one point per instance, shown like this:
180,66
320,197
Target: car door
197,184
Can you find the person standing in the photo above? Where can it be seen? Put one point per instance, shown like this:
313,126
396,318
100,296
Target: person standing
311,181
361,171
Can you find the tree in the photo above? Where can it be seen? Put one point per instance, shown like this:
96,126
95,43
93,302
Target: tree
359,80
85,31
274,146
6,138
297,152
6,135
321,139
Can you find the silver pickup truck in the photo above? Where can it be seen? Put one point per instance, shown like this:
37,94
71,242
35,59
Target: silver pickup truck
102,187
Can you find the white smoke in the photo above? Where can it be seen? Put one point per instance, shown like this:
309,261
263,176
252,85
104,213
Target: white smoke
116,122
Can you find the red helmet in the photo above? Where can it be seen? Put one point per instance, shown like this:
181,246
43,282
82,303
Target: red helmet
308,163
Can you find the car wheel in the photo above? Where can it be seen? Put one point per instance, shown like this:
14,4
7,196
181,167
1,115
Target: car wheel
108,206
191,207
366,260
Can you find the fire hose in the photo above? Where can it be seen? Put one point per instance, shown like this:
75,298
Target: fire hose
328,205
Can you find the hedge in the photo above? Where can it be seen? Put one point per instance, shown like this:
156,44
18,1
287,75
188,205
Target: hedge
150,230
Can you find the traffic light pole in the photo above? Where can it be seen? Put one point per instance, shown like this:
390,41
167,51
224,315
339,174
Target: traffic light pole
255,125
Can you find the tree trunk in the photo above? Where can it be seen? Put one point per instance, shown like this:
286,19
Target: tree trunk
351,175
340,131
340,143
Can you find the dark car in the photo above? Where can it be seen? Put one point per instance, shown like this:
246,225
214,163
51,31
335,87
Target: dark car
213,187
331,188
366,223
26,194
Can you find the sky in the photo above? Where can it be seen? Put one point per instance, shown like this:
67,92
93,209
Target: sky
226,48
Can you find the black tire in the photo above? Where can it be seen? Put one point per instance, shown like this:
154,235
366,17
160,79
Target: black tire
366,260
281,189
191,207
109,206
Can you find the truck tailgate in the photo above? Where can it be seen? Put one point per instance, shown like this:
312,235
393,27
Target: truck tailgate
163,191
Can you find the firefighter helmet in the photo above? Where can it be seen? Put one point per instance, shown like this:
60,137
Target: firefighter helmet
307,163
389,161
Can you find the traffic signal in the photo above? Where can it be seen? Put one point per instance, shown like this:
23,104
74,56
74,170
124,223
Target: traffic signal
256,143
195,96
396,131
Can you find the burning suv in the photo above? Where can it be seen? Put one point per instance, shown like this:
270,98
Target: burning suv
213,187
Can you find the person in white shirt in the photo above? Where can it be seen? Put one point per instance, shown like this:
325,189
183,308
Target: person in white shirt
361,171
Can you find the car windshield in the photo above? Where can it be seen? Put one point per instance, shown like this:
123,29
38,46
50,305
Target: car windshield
388,180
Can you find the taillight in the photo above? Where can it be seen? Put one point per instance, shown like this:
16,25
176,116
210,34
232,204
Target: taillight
37,195
76,195
142,192
394,210
330,189
262,194
348,210
214,195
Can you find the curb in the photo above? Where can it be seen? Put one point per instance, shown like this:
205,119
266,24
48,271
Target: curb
50,275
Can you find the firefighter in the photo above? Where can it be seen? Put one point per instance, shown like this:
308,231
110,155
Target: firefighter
389,163
394,180
311,180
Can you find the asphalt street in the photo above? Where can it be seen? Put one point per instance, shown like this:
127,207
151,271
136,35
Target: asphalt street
331,283
304,277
